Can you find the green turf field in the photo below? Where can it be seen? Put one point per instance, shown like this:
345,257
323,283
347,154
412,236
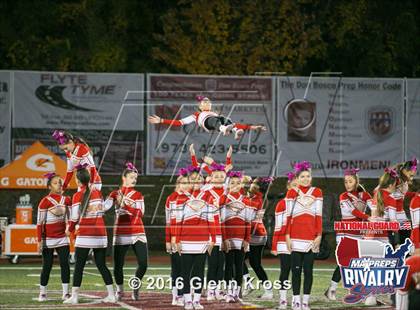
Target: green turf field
19,286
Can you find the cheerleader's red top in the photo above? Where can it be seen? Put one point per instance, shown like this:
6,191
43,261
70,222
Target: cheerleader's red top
415,220
278,243
258,231
353,206
304,210
51,221
81,155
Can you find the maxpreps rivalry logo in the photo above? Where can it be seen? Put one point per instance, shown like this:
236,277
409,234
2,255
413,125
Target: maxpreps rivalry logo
75,85
380,122
370,267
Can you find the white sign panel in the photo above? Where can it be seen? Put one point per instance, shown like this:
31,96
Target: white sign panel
357,124
5,117
77,100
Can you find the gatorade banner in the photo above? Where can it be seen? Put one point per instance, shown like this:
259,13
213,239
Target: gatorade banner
247,100
27,170
5,117
340,123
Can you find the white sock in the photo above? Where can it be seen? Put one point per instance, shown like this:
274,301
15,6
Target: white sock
296,298
197,297
110,289
42,289
174,292
333,285
283,295
305,299
187,298
65,287
74,291
120,288
237,291
246,276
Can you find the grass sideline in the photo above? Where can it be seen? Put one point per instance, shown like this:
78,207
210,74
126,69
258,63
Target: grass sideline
19,285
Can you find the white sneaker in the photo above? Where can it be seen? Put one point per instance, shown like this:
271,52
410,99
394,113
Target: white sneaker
189,305
305,306
174,301
110,298
296,306
180,301
370,301
42,297
229,298
72,300
197,305
119,296
238,134
220,295
282,305
268,295
65,296
330,294
225,129
211,296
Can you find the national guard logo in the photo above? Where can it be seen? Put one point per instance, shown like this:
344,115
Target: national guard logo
380,122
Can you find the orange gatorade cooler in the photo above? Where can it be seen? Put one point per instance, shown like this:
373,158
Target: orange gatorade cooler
24,211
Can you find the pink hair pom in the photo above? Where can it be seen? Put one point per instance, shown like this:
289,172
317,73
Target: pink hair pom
352,171
130,166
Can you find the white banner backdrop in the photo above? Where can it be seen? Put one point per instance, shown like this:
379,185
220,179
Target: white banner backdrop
81,101
246,100
357,125
5,117
413,119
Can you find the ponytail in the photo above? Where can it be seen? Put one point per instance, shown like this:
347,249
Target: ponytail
84,177
380,207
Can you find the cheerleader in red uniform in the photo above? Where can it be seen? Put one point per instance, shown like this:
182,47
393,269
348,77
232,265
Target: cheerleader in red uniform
195,236
129,229
279,246
354,203
51,231
215,270
87,212
304,231
408,298
256,195
181,185
77,153
406,172
208,120
415,220
235,218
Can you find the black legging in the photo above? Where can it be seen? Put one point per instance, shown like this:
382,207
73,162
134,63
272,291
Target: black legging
214,122
336,275
216,262
285,265
47,262
234,266
140,250
175,270
192,265
305,260
81,257
254,255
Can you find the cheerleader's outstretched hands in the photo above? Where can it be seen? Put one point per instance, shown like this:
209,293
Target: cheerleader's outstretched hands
154,119
258,127
192,151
